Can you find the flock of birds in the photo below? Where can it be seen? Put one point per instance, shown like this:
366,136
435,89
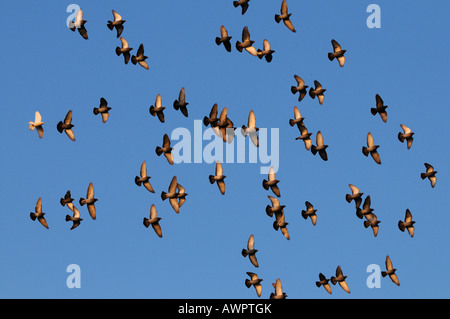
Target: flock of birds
224,127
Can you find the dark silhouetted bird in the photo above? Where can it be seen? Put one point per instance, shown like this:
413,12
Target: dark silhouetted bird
320,147
154,221
278,294
366,210
212,119
224,38
144,178
67,200
37,124
390,271
117,23
140,58
255,282
172,195
242,3
251,129
90,201
372,221
324,282
337,53
66,126
246,43
125,50
218,178
317,91
181,103
276,207
166,149
38,214
79,24
103,109
158,109
408,223
301,87
430,174
406,135
356,195
380,108
341,279
271,182
266,52
251,251
305,137
310,212
371,149
75,218
285,16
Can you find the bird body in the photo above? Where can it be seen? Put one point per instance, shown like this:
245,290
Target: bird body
280,223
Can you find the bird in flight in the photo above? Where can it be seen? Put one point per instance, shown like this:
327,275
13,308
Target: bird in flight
390,271
154,221
317,91
276,207
67,200
172,195
408,223
144,178
430,173
371,149
251,251
181,103
39,214
67,126
280,223
255,282
271,182
366,210
157,109
337,53
243,4
251,130
117,23
310,212
324,282
285,16
301,87
103,109
320,147
372,221
218,178
166,149
140,58
124,50
356,195
37,124
89,201
406,135
305,137
340,279
75,218
380,108
246,43
278,294
224,38
266,52
79,24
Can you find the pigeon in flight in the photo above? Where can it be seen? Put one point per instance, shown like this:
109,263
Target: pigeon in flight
340,278
266,52
373,222
67,200
38,214
278,294
143,178
117,23
90,201
276,207
181,103
154,221
285,16
255,282
251,129
218,178
224,38
79,24
406,135
166,149
337,53
320,147
298,119
310,212
246,43
124,50
305,137
280,223
271,182
380,108
317,91
140,58
103,109
37,124
371,149
75,218
301,87
66,126
324,282
181,195
212,119
158,109
243,4
355,195
366,210
390,271
430,174
251,251
172,195
408,223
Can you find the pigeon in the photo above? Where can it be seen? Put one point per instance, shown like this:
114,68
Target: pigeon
305,137
125,50
372,222
38,214
166,149
390,271
103,109
324,282
154,221
271,182
66,126
340,278
278,294
212,119
406,135
380,108
75,218
320,147
280,223
158,109
242,3
356,195
255,282
224,126
172,195
181,103
37,124
143,179
251,251
89,201
276,207
310,212
408,223
79,24
251,129
67,200
366,208
219,178
372,149
266,52
337,53
430,174
224,38
317,91
117,23
301,87
140,58
298,119
246,43
285,17
181,195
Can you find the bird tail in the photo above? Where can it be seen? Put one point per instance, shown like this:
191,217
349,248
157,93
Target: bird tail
133,60
383,273
277,18
275,225
313,149
291,122
348,198
238,46
318,284
175,105
137,181
304,214
62,202
146,222
152,110
264,183
247,283
218,41
110,26
293,89
269,211
158,150
331,56
311,93
206,121
373,111
423,175
59,127
244,252
235,4
400,137
359,213
33,216
211,179
118,51
365,151
366,224
401,226
95,110
82,201
67,218
333,280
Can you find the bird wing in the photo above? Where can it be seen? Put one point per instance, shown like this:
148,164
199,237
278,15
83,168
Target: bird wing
251,49
394,279
223,115
169,158
245,34
429,167
341,60
70,134
221,185
213,113
284,8
297,113
166,141
251,119
253,260
388,263
91,209
37,117
319,138
157,228
117,16
354,189
405,128
289,25
42,220
124,43
408,216
173,185
317,85
379,101
38,208
174,203
275,201
344,286
140,51
68,118
79,16
105,117
223,32
336,45
90,191
143,169
40,131
278,288
309,205
300,81
153,211
158,102
143,64
271,175
339,271
376,157
266,45
370,142
251,243
181,96
219,169
76,212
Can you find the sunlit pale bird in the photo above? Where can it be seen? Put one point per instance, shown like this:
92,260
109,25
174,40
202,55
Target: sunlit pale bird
37,124
117,23
373,222
251,251
406,135
124,50
39,214
218,178
371,149
276,206
310,212
305,137
320,147
356,195
255,282
271,182
301,87
143,179
79,24
251,129
157,109
317,91
89,201
154,221
266,52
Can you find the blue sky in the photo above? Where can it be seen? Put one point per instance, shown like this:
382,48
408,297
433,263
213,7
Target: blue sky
48,68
